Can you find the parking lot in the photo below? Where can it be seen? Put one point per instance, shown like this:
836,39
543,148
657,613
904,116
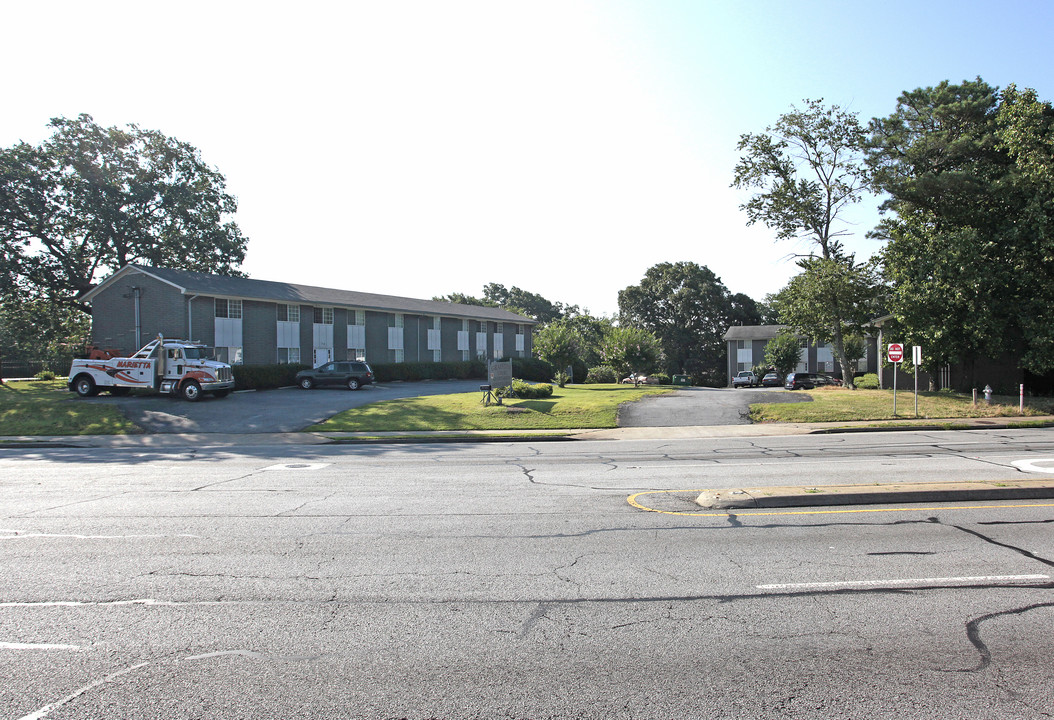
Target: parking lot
266,411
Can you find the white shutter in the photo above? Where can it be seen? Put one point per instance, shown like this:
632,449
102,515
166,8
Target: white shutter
395,338
433,340
462,340
356,336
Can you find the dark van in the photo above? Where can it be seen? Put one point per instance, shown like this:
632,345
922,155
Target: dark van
801,381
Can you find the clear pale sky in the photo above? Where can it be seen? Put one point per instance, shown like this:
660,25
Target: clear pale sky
428,147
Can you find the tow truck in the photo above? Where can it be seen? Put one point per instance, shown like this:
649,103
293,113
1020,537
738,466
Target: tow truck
167,366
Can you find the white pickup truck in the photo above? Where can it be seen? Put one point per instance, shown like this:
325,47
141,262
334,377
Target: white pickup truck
170,367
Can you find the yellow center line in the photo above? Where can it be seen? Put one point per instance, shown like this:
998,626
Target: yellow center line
632,500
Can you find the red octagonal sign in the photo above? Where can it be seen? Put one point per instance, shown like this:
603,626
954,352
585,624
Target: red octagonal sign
896,352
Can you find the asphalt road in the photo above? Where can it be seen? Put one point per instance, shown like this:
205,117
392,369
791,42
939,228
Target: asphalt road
517,581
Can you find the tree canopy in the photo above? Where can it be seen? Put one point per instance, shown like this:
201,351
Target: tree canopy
91,199
688,308
805,171
514,299
970,240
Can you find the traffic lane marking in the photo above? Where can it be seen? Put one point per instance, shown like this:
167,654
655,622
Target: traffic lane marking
632,500
903,581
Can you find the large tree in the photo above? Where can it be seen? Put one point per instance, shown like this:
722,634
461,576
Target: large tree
970,251
807,302
806,170
91,199
688,308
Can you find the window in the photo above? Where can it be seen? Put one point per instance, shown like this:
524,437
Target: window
228,308
229,355
323,316
289,355
357,354
288,313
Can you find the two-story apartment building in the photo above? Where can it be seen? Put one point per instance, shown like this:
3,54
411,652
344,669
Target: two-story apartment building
261,322
746,349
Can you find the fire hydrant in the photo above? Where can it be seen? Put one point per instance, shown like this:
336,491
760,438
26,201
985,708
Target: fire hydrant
988,394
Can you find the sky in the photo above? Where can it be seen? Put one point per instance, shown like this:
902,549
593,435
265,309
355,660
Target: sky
428,147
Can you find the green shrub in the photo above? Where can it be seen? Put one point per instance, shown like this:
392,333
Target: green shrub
461,370
868,381
663,378
527,391
45,375
561,378
601,374
265,377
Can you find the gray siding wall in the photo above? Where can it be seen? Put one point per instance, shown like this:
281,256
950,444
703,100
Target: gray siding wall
259,332
377,337
307,339
448,330
161,310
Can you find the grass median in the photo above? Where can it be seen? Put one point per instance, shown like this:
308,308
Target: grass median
842,405
48,408
572,407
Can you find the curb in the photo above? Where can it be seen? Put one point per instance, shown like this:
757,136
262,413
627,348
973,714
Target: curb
825,495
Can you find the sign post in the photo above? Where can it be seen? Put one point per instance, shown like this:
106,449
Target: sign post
916,360
895,354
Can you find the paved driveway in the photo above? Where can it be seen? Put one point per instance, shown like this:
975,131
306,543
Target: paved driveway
268,411
701,406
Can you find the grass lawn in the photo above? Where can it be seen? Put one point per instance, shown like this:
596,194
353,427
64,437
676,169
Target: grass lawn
48,408
579,406
838,404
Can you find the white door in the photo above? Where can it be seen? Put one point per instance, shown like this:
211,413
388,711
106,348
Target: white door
322,356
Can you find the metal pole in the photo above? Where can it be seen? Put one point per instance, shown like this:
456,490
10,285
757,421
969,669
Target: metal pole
894,389
1022,405
916,391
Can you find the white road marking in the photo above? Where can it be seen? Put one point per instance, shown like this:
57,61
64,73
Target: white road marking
902,581
36,646
19,535
1031,465
297,466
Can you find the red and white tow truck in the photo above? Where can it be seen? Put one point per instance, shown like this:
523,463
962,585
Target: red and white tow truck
170,367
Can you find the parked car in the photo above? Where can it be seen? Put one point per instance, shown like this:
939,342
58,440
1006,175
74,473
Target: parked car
832,380
771,380
745,378
802,381
640,380
351,375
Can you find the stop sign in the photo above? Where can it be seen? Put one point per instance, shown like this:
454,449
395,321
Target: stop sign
896,352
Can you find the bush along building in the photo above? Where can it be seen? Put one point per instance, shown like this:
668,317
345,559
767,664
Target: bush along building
262,322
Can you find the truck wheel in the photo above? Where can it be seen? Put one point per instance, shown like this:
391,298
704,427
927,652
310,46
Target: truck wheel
84,386
191,391
353,384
